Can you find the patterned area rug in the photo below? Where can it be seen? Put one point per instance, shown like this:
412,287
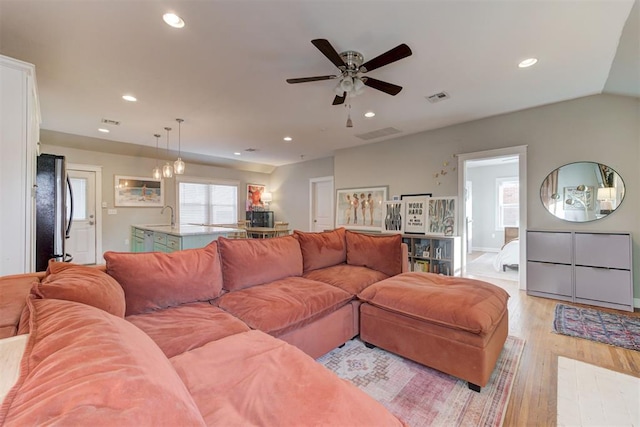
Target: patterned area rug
421,396
609,328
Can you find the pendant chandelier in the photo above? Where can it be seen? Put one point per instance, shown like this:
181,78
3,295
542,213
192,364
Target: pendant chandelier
178,165
167,169
157,172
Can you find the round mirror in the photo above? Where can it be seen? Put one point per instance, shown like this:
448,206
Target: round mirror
582,191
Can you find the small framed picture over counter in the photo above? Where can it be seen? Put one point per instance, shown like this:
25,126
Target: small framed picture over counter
139,192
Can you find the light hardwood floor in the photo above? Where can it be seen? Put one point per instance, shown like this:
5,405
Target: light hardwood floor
533,399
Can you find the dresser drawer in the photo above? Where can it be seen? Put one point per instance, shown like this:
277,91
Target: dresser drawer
549,247
137,232
174,243
160,238
603,250
550,278
601,284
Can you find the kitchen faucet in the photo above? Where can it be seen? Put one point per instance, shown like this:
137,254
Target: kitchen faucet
173,218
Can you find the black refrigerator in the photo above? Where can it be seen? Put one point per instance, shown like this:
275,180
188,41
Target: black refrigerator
54,212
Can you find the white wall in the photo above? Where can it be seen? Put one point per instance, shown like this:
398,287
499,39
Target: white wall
600,128
485,202
290,187
116,228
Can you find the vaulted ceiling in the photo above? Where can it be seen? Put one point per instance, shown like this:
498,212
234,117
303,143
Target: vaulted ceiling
224,73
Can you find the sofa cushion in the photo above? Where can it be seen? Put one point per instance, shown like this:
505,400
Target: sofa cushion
252,379
84,366
283,305
382,253
350,278
188,326
155,280
80,283
14,290
250,262
320,250
456,302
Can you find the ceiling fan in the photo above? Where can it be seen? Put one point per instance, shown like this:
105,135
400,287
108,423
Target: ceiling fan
351,65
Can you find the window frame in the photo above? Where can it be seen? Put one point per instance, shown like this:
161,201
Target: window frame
205,181
499,217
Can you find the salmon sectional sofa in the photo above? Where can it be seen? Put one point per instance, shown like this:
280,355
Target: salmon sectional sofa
222,335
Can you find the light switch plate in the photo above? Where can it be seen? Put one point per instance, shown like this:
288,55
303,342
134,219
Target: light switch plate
112,211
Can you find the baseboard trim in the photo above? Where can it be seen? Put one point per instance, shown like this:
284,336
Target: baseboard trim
636,302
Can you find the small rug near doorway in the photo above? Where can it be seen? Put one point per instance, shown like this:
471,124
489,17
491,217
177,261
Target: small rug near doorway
421,396
590,395
595,325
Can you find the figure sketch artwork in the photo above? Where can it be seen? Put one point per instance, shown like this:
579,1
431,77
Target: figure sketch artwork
442,216
254,197
131,191
360,208
393,219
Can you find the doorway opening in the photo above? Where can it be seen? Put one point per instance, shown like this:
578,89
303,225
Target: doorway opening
85,238
494,214
321,204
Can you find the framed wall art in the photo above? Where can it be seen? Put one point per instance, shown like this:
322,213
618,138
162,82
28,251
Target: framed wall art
132,191
254,197
360,208
442,216
415,213
393,216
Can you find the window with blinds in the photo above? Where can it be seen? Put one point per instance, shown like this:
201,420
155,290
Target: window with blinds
207,203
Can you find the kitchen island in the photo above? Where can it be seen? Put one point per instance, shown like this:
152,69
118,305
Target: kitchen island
164,238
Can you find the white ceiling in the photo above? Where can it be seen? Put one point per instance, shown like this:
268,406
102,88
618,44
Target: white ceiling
225,72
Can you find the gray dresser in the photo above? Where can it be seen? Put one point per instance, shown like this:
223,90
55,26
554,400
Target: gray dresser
584,267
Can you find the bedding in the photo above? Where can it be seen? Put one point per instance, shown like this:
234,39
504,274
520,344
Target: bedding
508,256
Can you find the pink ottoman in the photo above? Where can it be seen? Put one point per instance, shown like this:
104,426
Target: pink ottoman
453,324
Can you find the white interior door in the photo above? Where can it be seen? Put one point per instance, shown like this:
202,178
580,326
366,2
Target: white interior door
321,203
81,243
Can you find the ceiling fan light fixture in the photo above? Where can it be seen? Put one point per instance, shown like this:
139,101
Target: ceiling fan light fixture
358,85
346,84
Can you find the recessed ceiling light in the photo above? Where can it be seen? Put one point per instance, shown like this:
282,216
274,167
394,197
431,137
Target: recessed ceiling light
288,138
173,20
103,130
237,153
129,98
527,62
369,114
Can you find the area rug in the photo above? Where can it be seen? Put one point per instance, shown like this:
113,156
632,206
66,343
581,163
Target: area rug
590,395
609,328
421,396
483,266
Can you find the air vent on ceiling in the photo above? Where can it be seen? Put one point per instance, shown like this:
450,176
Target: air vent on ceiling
250,150
437,97
378,133
110,122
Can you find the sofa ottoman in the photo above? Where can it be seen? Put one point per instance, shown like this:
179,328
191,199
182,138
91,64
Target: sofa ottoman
452,324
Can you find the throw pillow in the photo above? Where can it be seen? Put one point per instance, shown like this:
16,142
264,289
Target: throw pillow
156,280
321,250
381,253
80,283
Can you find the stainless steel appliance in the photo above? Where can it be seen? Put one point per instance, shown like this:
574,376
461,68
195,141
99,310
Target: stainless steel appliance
53,213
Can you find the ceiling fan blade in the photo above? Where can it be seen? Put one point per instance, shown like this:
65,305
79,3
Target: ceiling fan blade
393,55
327,50
339,99
310,79
385,87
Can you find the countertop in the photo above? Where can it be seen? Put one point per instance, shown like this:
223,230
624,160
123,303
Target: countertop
181,230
